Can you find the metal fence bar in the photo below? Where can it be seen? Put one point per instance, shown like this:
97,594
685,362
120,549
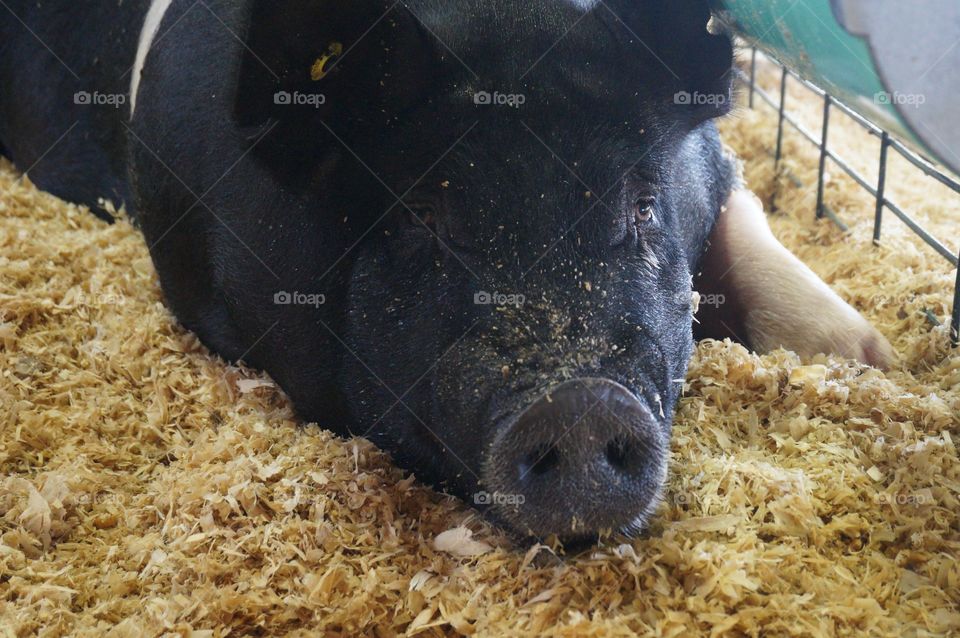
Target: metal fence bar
801,129
832,216
823,154
928,169
881,186
955,323
921,232
782,105
886,142
854,175
859,119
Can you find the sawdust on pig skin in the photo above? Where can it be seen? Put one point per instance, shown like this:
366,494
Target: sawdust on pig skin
149,488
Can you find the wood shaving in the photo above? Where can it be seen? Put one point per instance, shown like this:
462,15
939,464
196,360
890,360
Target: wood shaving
459,542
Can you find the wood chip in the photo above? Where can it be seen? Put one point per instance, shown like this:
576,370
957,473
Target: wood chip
459,542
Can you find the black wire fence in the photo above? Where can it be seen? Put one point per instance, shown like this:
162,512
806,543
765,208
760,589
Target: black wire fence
877,190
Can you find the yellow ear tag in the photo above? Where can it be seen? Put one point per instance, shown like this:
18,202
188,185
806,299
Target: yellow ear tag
319,69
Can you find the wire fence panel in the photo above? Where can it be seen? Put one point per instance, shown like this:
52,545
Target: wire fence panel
887,142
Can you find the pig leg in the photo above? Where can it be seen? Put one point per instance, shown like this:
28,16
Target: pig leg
761,294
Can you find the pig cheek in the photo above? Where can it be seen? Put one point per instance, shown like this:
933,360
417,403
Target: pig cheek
465,386
377,364
406,348
670,322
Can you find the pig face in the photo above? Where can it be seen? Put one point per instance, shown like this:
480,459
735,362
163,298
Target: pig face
543,356
517,323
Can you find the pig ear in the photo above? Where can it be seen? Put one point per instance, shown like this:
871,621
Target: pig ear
310,59
696,64
702,60
706,75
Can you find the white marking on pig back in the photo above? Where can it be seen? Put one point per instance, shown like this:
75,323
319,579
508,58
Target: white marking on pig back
151,25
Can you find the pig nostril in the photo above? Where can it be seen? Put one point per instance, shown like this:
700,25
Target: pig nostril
540,461
620,454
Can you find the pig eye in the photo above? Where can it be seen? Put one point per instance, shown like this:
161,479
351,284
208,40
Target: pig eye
643,209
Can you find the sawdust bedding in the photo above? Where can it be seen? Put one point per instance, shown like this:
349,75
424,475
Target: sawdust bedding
146,487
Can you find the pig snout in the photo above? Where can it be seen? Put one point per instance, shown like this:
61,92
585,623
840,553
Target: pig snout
586,457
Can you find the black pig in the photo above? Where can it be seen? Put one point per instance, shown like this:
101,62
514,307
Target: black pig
465,229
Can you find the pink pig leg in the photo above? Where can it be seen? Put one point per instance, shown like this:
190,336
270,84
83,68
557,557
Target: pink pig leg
771,299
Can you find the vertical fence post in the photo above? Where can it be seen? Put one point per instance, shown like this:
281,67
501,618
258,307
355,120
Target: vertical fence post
823,153
955,323
776,155
782,110
881,185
